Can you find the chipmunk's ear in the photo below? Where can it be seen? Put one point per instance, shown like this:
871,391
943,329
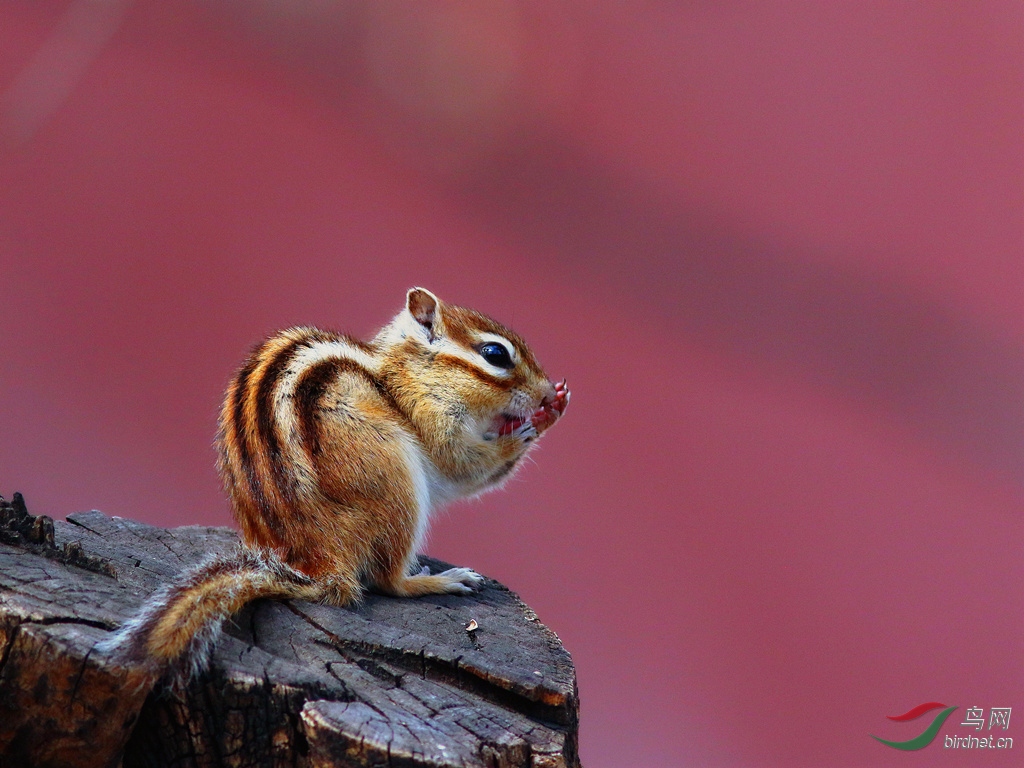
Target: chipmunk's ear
425,309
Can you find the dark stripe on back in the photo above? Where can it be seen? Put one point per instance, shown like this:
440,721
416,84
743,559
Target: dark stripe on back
266,424
309,390
237,427
314,382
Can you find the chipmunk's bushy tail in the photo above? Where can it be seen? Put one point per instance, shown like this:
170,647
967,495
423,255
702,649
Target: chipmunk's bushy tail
178,626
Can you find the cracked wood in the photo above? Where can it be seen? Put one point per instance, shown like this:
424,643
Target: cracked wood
388,683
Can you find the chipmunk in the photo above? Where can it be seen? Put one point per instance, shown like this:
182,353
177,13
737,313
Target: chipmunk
334,452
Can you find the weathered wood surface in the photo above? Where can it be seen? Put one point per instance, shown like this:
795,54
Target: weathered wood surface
389,683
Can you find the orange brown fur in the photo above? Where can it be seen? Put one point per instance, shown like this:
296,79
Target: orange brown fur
334,452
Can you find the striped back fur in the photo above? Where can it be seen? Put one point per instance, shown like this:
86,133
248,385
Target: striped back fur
267,428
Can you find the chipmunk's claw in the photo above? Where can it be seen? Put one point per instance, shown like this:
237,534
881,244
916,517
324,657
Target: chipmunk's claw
551,409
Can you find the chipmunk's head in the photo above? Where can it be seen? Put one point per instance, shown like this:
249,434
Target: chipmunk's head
473,386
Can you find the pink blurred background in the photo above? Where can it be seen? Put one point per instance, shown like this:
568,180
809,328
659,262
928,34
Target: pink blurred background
775,248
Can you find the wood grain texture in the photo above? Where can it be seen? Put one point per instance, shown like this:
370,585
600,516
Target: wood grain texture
392,682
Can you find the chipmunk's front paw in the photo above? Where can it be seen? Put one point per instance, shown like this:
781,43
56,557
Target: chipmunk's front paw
462,581
551,409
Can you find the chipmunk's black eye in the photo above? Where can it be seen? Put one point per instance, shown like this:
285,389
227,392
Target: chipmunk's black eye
496,354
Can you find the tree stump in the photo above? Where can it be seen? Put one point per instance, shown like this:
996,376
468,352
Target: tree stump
390,682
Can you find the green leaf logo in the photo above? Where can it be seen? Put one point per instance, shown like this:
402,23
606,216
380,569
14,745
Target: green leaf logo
930,732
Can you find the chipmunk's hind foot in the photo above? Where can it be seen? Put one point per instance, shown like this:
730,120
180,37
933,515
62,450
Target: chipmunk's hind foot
454,581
